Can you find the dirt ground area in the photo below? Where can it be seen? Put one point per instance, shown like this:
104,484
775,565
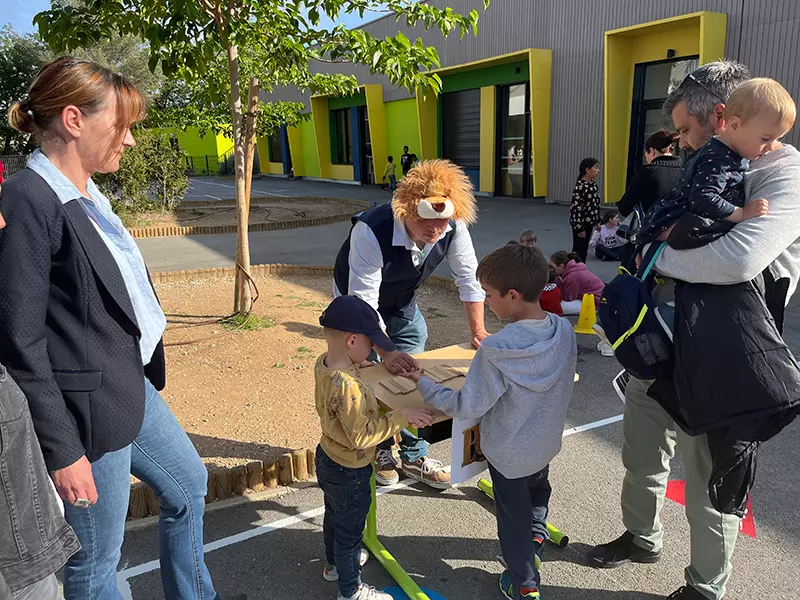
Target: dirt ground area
261,211
249,395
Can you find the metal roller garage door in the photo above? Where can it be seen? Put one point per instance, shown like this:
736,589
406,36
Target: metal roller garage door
461,129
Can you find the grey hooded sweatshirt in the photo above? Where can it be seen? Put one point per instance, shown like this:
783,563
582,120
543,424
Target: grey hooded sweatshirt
519,385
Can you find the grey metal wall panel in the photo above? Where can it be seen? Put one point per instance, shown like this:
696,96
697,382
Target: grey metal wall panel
764,34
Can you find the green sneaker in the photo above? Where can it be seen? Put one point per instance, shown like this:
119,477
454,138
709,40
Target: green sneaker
508,589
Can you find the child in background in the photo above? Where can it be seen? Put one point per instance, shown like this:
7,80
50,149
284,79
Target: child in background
519,385
528,237
352,426
605,242
758,113
551,295
391,172
574,280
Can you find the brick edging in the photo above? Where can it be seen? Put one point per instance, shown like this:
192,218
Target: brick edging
269,269
227,482
175,230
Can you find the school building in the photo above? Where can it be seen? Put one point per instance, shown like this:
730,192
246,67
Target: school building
545,84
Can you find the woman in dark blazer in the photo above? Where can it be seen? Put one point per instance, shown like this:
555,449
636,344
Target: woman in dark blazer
652,181
80,332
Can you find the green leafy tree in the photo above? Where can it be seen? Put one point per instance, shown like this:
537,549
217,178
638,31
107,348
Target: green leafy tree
228,51
151,176
21,56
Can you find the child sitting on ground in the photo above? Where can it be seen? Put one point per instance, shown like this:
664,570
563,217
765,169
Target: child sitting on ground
519,385
605,242
528,237
574,279
352,426
551,295
710,195
391,172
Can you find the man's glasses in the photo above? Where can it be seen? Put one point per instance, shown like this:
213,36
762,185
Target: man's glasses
694,79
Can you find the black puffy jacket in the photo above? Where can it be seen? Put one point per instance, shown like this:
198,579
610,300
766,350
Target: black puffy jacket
651,183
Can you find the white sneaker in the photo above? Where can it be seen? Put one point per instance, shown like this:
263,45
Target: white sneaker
605,349
367,592
330,573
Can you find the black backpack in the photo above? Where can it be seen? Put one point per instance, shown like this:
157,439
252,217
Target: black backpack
629,318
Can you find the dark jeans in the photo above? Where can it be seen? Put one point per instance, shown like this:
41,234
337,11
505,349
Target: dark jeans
521,506
581,244
612,254
392,183
409,336
347,499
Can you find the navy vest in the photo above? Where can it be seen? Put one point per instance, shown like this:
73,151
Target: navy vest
399,277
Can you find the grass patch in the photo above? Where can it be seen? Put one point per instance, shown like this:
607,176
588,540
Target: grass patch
304,350
278,365
252,323
311,304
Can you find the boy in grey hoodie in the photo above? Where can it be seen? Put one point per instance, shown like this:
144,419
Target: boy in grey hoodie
519,385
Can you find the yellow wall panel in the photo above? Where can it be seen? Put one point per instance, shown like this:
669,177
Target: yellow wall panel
488,137
427,115
322,133
541,71
376,113
344,172
296,150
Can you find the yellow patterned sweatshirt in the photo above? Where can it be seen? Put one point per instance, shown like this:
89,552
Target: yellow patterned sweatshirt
351,420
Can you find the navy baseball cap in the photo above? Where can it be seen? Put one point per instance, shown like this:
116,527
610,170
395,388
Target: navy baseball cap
352,314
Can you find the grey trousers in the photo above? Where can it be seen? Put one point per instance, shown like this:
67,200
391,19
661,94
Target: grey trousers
46,589
650,440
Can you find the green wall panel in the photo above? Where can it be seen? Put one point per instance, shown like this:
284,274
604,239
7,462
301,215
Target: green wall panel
402,129
309,149
498,75
359,99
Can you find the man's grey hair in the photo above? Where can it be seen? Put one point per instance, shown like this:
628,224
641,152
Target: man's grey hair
706,87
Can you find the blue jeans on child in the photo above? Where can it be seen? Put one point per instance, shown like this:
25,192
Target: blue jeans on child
521,507
165,459
392,183
409,335
347,500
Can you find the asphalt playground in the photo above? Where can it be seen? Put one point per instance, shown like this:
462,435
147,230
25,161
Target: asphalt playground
271,546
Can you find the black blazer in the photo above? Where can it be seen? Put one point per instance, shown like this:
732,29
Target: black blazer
68,333
651,183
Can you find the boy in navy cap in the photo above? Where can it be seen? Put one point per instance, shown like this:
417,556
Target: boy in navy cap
352,426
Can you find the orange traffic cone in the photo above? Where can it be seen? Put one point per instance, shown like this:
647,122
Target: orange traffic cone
588,316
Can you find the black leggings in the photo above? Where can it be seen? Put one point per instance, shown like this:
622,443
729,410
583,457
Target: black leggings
580,245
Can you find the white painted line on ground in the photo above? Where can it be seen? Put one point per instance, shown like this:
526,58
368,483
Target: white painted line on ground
125,575
212,197
595,425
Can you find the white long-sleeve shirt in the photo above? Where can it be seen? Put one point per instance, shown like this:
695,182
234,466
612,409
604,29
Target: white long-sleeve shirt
366,262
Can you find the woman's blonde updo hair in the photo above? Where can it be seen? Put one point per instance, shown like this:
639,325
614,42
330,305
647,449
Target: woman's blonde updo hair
68,81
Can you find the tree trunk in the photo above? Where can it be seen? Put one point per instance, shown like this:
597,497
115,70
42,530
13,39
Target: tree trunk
250,137
242,295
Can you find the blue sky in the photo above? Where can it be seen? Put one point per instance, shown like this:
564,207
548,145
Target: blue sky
20,13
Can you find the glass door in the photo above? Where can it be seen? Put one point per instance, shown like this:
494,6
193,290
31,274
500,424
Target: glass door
652,83
513,152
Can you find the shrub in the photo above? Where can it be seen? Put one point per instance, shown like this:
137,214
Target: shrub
151,176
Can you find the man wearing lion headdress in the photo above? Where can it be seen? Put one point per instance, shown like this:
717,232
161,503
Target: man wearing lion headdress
391,250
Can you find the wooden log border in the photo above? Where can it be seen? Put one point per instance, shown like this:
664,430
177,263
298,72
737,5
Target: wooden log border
175,230
229,482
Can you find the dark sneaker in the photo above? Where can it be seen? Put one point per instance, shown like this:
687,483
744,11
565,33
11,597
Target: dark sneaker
385,468
508,589
686,592
622,550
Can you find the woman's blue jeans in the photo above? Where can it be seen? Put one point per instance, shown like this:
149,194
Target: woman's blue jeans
409,336
165,459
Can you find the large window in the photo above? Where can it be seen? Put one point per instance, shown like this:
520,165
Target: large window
514,151
275,146
341,141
